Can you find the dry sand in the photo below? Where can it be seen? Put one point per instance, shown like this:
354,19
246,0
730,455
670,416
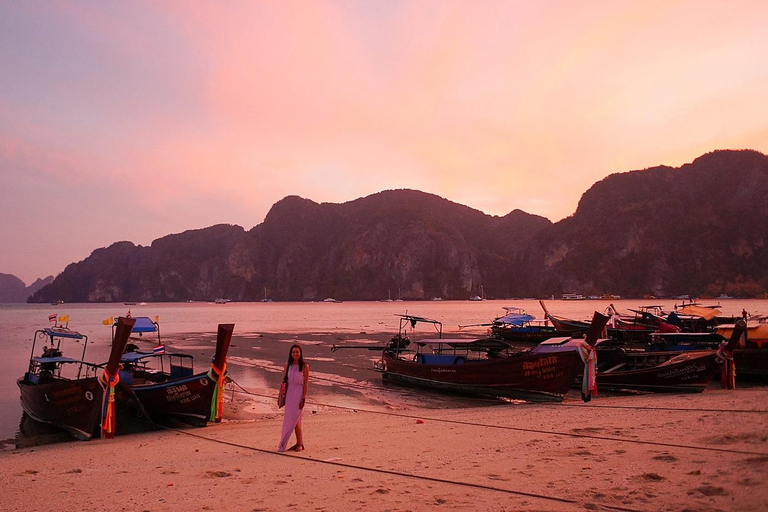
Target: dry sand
650,452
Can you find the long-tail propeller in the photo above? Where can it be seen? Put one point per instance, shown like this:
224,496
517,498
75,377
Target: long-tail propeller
219,370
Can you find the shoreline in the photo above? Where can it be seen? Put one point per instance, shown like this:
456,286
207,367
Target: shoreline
658,452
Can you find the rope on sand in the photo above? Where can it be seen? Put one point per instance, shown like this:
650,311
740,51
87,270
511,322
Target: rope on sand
403,474
534,431
674,409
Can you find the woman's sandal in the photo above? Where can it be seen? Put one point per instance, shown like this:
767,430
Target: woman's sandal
292,448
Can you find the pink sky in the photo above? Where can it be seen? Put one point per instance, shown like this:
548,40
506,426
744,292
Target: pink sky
133,120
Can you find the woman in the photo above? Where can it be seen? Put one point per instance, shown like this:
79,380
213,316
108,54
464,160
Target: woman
296,374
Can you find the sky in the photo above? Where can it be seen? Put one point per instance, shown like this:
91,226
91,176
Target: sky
134,120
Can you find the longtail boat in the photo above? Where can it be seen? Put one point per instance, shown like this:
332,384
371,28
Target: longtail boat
750,354
70,392
485,366
625,327
621,368
164,385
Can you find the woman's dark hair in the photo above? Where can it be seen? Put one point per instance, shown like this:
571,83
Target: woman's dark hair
301,358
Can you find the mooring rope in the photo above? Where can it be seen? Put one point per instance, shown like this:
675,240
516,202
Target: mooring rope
403,474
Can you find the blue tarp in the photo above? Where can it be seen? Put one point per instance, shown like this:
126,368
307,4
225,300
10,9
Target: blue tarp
515,319
143,324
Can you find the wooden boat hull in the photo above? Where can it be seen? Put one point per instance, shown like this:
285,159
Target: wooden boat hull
545,377
74,405
751,361
688,372
186,399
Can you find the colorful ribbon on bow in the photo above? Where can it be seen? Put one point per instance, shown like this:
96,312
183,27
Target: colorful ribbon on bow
589,382
108,421
217,402
728,374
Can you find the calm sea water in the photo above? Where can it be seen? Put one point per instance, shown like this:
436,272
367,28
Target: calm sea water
183,322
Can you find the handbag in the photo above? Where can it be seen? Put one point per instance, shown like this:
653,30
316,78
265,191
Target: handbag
281,396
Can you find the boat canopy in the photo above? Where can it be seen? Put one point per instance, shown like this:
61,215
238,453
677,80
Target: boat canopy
705,313
143,324
468,343
63,333
132,357
515,319
413,319
59,359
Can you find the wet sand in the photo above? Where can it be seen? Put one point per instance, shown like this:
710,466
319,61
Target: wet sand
375,448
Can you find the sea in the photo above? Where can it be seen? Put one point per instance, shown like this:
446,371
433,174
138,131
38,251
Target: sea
263,331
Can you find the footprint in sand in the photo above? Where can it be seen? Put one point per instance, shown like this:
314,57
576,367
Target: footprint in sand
651,477
709,490
217,474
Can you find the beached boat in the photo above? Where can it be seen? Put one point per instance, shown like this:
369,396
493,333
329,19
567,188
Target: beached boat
636,327
69,392
751,358
517,326
485,366
621,368
164,385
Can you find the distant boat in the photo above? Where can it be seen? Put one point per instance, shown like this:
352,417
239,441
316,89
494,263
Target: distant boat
573,296
265,299
221,301
389,297
437,298
478,297
331,299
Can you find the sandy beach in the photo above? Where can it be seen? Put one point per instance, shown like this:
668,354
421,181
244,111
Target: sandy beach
377,449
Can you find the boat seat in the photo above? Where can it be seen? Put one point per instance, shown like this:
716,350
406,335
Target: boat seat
180,371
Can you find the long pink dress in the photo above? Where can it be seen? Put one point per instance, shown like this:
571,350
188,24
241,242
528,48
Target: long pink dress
292,400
